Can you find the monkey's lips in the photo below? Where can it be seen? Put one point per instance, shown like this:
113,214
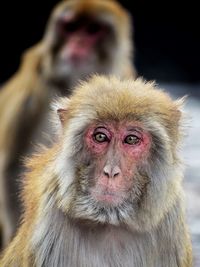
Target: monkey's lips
109,197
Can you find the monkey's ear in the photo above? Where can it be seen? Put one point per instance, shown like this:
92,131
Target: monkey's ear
62,114
181,101
60,108
179,115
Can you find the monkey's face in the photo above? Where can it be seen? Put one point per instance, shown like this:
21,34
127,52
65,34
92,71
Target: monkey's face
80,43
118,151
110,180
81,36
83,47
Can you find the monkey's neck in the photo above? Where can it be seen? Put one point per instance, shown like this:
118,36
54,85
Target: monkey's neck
58,241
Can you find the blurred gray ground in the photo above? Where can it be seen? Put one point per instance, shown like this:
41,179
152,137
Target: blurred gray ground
191,156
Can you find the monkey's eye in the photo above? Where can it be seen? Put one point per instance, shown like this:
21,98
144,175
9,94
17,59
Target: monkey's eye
100,137
132,140
94,28
71,27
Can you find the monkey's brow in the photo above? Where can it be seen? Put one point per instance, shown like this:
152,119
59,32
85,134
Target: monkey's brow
100,127
134,128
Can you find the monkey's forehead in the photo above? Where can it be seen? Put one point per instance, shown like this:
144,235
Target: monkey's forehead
105,10
91,6
118,99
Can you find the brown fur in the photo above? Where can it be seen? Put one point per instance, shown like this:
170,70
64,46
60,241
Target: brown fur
57,232
25,98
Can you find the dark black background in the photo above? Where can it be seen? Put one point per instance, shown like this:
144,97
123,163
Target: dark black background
167,36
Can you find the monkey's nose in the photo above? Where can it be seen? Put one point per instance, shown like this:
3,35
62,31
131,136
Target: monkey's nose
111,172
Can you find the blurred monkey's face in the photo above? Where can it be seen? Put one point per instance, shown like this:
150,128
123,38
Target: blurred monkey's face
84,38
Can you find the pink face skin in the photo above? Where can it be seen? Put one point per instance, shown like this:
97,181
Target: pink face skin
118,149
81,38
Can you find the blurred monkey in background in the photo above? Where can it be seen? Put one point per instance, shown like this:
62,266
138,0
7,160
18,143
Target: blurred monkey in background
82,37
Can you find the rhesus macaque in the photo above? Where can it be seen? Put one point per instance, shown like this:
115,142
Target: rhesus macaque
82,37
108,192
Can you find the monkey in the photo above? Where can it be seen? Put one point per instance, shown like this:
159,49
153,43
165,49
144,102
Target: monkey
82,37
108,192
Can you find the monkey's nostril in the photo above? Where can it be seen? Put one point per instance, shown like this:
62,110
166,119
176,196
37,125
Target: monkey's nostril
116,171
115,174
106,173
111,172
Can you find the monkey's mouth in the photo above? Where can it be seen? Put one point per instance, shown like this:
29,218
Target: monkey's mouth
108,197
